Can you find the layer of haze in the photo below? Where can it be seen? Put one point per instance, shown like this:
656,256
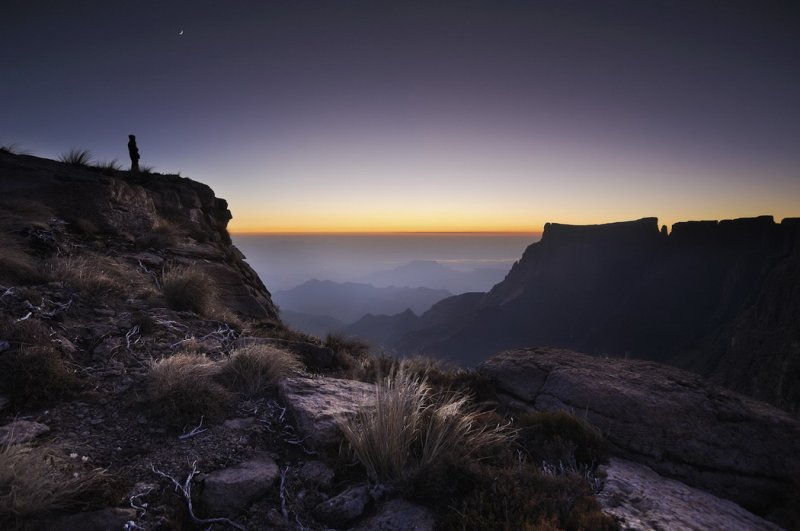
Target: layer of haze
287,260
423,116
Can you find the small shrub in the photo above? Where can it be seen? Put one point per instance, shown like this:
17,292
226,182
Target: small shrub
188,289
255,369
146,169
479,496
181,389
77,157
559,438
35,375
353,346
35,481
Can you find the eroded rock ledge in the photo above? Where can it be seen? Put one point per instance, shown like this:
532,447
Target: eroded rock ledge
673,421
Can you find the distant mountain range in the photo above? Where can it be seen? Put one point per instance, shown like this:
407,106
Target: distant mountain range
322,304
720,298
432,274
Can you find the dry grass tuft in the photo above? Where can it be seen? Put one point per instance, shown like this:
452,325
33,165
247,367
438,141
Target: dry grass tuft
163,235
77,157
34,375
19,214
17,267
256,369
98,276
181,389
35,481
410,428
188,289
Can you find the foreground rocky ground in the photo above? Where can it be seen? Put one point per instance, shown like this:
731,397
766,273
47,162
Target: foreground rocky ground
98,298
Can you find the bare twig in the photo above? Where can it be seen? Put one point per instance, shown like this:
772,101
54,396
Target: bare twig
284,510
186,491
194,431
24,317
130,334
151,273
141,506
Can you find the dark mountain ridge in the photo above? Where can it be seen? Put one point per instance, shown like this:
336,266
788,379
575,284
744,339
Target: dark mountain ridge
716,297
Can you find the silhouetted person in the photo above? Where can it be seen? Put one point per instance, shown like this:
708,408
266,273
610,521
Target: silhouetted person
133,151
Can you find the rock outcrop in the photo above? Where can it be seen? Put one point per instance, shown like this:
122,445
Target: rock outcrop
320,404
156,221
718,298
642,500
671,420
230,490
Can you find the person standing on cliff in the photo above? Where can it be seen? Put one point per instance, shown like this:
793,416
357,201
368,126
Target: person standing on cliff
133,151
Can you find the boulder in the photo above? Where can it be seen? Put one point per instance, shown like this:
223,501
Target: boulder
21,431
316,473
399,515
345,506
229,491
320,404
314,356
641,499
671,420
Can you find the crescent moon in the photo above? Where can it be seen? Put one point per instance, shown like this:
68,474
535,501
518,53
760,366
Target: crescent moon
180,32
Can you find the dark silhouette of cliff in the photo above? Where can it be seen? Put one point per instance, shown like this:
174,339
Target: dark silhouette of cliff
718,298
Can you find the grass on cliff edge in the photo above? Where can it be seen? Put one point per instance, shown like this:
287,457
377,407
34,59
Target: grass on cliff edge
35,481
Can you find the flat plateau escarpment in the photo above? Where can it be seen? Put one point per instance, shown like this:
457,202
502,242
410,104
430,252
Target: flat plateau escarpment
671,420
719,298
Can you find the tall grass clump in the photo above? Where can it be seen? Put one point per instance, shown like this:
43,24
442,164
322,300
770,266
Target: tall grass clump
183,388
410,428
14,149
255,369
36,481
35,375
97,276
188,289
77,157
109,165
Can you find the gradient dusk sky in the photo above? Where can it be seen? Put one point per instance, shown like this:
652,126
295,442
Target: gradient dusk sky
423,116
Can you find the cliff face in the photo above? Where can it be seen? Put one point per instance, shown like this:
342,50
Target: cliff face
154,221
719,298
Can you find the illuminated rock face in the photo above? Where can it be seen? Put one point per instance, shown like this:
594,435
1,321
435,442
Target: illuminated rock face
671,420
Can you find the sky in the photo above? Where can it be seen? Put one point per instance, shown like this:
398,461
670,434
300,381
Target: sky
475,115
